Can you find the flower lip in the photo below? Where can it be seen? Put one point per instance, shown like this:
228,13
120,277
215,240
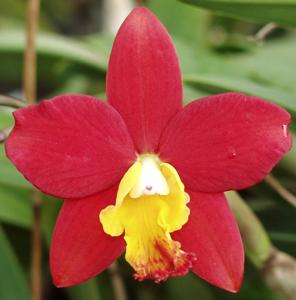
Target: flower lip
148,220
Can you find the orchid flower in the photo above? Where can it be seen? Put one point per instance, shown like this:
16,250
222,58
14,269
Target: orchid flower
142,174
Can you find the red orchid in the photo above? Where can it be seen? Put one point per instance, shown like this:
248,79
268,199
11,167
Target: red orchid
142,173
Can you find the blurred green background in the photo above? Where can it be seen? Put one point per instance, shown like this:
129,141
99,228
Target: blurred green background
219,50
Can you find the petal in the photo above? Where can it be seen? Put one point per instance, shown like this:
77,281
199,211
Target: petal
144,79
212,234
80,249
224,142
71,147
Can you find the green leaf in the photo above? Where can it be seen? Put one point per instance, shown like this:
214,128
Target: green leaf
9,174
16,208
182,21
283,237
282,12
50,210
6,118
53,45
259,67
191,93
88,290
224,83
250,73
15,10
193,287
12,279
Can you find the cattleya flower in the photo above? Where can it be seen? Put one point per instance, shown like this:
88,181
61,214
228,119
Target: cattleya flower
141,173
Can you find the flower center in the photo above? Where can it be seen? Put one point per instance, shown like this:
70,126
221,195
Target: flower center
150,204
151,181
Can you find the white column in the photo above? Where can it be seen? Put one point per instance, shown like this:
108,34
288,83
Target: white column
115,11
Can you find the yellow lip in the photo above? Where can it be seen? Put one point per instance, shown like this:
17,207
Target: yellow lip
148,220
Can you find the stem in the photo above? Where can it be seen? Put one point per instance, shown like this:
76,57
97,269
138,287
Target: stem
277,268
117,283
281,190
279,273
11,102
29,75
36,247
29,82
265,31
256,240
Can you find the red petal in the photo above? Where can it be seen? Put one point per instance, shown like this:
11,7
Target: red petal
224,142
71,147
80,249
212,234
144,79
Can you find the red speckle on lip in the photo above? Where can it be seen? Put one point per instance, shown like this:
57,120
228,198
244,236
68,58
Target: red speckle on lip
172,261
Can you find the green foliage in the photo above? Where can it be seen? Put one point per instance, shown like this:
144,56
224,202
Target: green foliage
182,20
56,46
261,11
15,206
13,284
88,290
